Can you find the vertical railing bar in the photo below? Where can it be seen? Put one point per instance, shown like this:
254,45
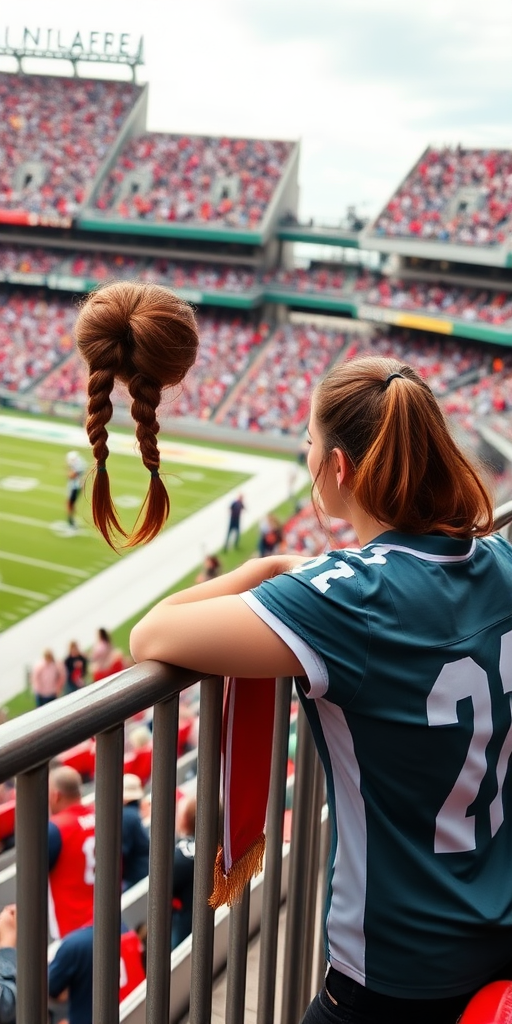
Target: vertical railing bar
32,895
314,877
325,845
274,856
207,831
238,942
107,886
161,859
299,878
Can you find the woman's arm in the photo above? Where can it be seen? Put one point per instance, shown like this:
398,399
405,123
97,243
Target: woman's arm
209,628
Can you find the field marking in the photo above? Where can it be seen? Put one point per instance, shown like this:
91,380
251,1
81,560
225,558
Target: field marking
39,563
43,524
20,465
24,593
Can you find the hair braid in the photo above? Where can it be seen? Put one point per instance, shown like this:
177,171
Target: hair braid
146,395
146,337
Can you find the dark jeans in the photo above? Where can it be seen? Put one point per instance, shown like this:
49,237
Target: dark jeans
41,701
358,1005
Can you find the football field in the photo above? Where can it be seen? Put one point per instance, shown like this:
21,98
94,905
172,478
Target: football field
41,558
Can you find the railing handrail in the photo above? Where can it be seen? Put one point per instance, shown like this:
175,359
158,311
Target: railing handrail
45,732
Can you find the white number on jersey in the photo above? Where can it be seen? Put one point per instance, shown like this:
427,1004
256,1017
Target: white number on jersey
88,850
455,830
123,974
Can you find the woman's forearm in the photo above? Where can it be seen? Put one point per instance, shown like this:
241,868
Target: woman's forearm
243,578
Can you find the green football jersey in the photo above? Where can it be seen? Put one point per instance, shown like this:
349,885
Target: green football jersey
407,649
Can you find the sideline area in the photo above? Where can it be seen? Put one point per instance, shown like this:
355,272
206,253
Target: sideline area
119,592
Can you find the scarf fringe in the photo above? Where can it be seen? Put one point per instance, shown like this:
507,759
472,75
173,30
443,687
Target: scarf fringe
229,888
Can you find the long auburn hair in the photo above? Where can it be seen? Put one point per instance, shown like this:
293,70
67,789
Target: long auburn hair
146,337
407,470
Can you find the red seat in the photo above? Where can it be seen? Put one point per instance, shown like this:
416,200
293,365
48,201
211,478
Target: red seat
82,757
184,730
138,762
7,818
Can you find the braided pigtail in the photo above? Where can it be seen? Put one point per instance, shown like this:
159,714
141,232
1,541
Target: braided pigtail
146,337
100,409
146,396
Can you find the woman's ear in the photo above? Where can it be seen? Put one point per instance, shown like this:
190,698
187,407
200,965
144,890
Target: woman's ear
342,467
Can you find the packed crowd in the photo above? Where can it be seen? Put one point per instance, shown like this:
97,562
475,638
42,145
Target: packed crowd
473,305
23,260
310,279
470,304
35,334
453,195
63,125
226,349
194,178
296,356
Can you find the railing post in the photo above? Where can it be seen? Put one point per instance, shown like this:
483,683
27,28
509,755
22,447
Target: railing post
207,830
313,881
274,856
299,877
107,886
32,895
161,859
238,941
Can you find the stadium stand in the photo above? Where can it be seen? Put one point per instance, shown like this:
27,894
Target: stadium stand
163,177
56,133
35,334
297,355
453,195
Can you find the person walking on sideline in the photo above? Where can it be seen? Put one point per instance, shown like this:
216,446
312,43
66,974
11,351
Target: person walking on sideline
235,514
47,679
402,652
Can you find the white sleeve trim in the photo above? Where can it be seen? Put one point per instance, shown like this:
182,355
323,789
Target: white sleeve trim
313,664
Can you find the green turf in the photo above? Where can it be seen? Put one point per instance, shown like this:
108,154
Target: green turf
40,559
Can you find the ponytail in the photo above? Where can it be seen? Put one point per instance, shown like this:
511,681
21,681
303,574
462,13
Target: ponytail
407,470
145,337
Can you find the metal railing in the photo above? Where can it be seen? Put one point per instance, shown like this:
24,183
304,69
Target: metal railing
29,743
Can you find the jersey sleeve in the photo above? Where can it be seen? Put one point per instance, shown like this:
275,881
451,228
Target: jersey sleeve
54,844
62,969
318,611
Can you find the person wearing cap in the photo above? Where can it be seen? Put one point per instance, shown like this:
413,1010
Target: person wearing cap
135,836
76,469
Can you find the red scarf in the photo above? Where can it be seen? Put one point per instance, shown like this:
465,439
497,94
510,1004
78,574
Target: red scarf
247,732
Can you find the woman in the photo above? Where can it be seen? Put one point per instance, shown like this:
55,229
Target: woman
403,654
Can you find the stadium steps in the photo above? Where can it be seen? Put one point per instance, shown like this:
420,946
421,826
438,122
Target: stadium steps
231,396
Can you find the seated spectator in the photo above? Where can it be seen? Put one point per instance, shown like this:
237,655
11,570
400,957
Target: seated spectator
271,535
105,658
71,851
70,971
135,836
183,876
8,965
211,568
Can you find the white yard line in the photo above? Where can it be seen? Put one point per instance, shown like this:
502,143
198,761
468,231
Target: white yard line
39,563
122,590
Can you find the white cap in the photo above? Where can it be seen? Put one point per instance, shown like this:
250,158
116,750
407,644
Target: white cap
71,457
